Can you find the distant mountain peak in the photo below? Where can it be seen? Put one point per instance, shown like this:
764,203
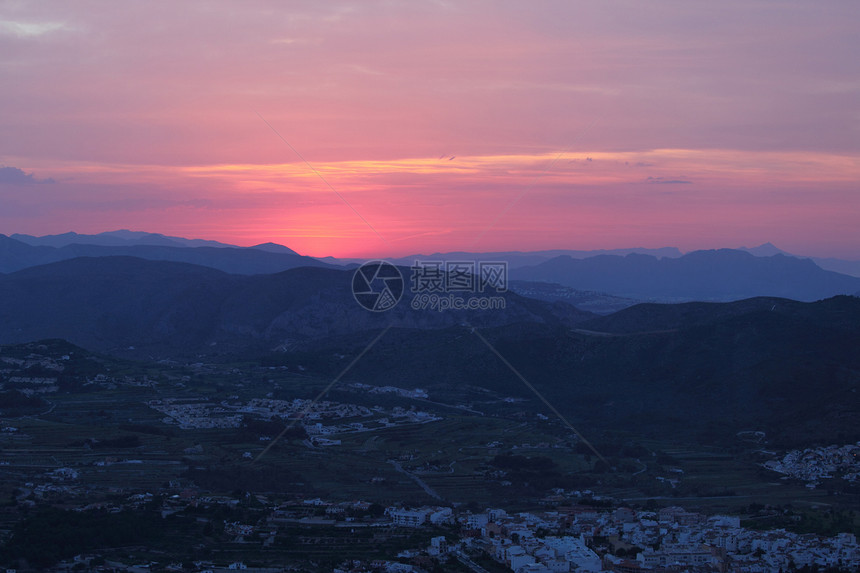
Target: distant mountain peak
765,250
127,234
273,248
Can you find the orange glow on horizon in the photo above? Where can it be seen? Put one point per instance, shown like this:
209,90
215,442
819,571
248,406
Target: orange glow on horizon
436,204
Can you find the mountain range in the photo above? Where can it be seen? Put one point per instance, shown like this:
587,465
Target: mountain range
847,267
719,275
695,372
514,259
605,280
160,307
709,369
126,238
261,259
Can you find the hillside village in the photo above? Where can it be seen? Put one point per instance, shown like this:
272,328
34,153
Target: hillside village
593,536
815,464
199,414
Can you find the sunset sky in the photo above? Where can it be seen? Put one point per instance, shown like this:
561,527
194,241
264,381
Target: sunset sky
436,126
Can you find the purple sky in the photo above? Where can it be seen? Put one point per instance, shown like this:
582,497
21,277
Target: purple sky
446,125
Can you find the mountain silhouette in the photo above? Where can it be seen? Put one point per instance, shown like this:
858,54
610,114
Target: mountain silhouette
112,303
707,370
719,275
16,255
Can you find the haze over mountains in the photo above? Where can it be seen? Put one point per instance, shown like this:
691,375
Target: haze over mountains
516,258
267,258
788,367
848,267
662,275
720,275
168,308
121,238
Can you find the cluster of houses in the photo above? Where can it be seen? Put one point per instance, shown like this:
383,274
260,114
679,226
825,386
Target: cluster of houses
201,414
588,539
814,464
402,392
271,408
671,539
583,538
189,416
13,374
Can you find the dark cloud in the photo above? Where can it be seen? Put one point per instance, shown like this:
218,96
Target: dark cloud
643,164
664,181
15,176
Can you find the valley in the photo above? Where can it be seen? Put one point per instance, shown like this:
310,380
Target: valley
113,437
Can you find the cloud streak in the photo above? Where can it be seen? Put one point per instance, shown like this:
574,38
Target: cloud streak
666,181
29,29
